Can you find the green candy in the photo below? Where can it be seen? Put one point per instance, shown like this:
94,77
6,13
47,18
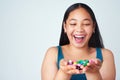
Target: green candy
83,62
80,62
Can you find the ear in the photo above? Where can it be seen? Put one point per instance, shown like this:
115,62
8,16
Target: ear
64,26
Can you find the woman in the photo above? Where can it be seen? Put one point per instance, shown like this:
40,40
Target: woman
80,40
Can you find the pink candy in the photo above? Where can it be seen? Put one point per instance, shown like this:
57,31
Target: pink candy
80,63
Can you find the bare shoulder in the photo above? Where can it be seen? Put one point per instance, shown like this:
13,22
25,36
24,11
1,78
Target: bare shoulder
52,52
52,49
107,53
50,55
106,50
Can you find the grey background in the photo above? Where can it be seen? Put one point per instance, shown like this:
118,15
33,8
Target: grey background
29,27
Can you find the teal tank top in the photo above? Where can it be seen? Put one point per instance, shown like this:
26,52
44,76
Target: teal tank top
77,76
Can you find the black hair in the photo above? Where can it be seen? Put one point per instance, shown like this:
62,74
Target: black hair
95,40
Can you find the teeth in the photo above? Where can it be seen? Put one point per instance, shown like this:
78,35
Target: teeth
79,36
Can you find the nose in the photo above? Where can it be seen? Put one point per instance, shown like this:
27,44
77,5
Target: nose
79,28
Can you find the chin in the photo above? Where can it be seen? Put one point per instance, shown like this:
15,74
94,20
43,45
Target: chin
79,45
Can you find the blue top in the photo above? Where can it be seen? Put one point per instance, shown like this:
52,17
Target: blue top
77,76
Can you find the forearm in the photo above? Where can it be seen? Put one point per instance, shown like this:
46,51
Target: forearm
62,76
94,76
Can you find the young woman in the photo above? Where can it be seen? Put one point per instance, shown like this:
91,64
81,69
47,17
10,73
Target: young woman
80,40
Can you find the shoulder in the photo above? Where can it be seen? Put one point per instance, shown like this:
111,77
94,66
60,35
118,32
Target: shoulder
107,53
106,50
52,51
50,56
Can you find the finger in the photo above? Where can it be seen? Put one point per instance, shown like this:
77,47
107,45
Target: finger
98,61
91,63
71,67
75,71
63,65
63,62
68,67
85,69
95,62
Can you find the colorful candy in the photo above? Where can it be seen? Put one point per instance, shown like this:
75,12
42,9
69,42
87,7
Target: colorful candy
80,63
70,62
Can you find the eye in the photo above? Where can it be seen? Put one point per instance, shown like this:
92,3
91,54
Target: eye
86,24
72,24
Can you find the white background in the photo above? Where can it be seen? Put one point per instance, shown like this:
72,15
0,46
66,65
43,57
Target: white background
29,27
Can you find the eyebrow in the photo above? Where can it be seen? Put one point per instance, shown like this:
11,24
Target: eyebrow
73,19
86,19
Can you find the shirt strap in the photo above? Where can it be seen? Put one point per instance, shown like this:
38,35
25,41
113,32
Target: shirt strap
60,55
99,54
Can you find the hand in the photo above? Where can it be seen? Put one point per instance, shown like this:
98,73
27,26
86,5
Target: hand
93,66
68,69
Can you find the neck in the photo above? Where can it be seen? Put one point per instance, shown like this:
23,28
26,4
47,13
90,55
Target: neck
79,50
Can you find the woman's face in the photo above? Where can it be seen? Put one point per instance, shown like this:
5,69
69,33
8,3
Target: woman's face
79,27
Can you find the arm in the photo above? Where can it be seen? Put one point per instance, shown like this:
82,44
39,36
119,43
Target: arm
104,71
49,68
107,70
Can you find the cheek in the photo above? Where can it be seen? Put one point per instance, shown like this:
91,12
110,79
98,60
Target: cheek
69,30
69,34
89,31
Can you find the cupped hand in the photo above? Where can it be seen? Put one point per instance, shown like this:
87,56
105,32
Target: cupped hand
93,66
68,69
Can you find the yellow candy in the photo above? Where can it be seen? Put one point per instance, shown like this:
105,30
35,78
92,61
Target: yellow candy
74,63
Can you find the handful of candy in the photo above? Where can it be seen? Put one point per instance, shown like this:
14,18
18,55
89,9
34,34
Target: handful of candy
80,63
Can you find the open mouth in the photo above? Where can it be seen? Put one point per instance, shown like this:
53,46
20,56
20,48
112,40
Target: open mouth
79,38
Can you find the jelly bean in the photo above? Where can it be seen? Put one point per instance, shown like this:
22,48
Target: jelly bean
80,63
78,67
91,61
85,62
70,62
74,63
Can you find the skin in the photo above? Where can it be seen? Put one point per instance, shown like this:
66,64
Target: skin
79,23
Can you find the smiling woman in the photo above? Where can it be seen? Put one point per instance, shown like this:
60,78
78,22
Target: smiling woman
79,24
80,40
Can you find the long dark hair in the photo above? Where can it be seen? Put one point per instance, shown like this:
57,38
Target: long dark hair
95,40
